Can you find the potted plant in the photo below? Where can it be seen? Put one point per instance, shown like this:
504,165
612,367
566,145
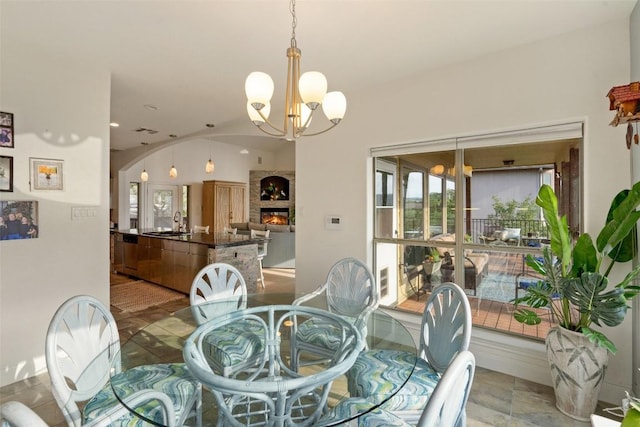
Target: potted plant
577,291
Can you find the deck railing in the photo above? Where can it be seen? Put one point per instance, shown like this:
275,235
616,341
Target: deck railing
488,227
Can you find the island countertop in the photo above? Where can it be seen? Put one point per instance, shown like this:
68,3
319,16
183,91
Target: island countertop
173,259
212,240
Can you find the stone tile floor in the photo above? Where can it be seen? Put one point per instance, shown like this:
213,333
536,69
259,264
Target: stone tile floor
496,399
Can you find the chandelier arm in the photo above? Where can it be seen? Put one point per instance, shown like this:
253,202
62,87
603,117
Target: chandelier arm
306,123
271,125
270,133
322,131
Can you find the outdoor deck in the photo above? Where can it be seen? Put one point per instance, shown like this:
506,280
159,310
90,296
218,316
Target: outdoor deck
490,306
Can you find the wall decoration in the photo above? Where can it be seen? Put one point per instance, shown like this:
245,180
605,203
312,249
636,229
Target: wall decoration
6,129
46,174
18,220
6,173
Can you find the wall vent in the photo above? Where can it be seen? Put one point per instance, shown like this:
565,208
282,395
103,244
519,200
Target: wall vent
149,131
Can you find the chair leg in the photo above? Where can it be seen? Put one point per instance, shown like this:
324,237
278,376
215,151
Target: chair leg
261,275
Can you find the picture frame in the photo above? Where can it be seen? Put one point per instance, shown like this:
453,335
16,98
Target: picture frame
6,130
46,174
6,173
18,219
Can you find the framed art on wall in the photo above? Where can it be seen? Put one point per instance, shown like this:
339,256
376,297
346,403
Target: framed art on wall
18,220
6,173
6,130
46,174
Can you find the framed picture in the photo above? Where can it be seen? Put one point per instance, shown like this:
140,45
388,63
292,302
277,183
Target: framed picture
6,173
46,174
18,220
6,129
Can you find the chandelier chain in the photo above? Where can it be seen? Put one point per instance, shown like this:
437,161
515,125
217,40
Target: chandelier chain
294,22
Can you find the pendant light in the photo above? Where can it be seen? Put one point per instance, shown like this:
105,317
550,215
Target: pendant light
144,176
173,172
210,167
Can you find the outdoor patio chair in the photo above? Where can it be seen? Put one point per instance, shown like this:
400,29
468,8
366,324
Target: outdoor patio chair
445,332
349,291
83,347
445,408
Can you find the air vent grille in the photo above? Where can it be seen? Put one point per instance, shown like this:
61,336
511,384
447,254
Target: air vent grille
148,131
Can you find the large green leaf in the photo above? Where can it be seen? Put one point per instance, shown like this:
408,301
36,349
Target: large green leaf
620,227
585,256
589,294
556,225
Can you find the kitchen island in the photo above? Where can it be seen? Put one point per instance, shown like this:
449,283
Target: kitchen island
172,259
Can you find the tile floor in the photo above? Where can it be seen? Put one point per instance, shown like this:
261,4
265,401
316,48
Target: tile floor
496,399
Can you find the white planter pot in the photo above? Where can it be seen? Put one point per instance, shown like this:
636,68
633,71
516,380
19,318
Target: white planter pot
577,371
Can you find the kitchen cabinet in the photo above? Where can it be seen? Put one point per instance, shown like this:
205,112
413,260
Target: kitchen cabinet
130,250
118,252
223,202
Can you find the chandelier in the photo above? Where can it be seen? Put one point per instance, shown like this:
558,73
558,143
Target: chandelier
305,93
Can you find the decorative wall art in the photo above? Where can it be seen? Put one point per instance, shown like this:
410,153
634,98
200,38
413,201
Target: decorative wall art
18,220
46,174
6,173
6,129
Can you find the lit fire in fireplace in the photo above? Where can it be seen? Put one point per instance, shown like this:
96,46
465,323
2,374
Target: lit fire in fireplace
273,216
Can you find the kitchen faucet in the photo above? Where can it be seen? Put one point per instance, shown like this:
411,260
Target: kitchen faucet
177,218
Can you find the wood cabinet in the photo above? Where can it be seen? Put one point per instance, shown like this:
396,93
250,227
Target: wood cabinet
223,202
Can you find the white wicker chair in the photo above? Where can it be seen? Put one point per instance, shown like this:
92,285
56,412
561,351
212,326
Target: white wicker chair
83,346
445,408
17,414
445,332
349,291
217,289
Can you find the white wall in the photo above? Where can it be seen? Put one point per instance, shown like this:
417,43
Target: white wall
556,79
61,110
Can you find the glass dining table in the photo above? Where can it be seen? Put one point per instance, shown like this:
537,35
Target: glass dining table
269,390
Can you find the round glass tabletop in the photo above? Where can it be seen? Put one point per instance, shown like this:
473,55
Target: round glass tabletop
238,356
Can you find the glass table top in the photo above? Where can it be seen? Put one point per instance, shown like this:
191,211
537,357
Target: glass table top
163,341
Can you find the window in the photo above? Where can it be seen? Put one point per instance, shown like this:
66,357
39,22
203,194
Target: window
480,203
134,203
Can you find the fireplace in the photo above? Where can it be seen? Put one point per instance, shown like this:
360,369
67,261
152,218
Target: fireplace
278,216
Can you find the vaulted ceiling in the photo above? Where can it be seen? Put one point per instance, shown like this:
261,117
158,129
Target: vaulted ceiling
179,65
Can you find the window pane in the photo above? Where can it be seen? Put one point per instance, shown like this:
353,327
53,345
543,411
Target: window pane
134,203
413,204
385,203
436,195
501,225
163,208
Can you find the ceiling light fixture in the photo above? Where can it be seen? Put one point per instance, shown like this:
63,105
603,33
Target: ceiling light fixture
173,172
210,167
144,176
303,96
114,124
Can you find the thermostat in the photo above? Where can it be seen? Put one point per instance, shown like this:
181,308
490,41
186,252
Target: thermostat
333,222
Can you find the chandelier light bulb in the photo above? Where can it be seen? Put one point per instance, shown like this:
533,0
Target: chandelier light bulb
259,89
312,88
334,106
209,168
144,176
173,172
